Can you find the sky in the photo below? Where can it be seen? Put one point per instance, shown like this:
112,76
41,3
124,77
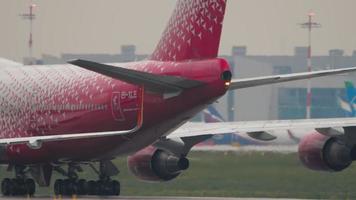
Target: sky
268,27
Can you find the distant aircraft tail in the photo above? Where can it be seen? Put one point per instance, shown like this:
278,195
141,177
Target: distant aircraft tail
350,91
211,115
193,31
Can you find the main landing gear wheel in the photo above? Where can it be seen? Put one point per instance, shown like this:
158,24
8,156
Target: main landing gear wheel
16,187
100,188
107,188
19,186
72,186
65,187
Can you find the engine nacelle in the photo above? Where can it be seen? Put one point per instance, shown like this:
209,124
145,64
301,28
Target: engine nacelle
324,153
152,164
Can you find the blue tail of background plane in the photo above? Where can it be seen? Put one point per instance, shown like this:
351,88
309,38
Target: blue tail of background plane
348,106
211,115
350,90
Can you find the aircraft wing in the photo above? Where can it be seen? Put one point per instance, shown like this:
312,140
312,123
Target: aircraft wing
36,141
265,80
261,129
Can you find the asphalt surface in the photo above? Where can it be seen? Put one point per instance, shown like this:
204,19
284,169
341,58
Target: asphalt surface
139,198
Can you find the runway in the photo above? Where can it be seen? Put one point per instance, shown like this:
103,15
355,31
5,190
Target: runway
141,198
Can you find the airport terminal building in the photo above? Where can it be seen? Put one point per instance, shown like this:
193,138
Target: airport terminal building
279,101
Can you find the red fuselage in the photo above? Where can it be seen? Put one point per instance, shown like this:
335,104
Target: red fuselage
48,100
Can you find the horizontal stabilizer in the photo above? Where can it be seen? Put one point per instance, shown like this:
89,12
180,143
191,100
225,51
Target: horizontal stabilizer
162,84
265,80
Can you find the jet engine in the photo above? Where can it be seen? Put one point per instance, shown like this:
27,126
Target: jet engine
152,164
324,153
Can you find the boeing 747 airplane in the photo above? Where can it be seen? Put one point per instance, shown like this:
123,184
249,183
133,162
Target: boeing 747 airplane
61,117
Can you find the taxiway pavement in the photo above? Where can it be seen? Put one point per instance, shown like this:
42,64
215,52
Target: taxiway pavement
137,198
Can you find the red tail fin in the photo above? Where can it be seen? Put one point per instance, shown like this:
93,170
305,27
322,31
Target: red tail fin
193,32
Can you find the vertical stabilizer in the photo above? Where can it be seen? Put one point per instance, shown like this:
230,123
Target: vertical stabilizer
193,31
351,96
350,90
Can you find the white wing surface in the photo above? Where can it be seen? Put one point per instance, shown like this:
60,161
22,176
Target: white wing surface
9,63
191,129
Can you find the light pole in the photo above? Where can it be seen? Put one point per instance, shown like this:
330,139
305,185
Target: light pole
30,16
310,25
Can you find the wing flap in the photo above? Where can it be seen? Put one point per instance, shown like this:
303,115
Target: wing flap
265,80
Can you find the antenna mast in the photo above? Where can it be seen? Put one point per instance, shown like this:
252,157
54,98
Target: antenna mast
310,25
31,17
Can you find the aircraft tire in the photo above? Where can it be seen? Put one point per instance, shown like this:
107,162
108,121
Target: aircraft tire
16,187
82,187
58,187
30,187
6,187
91,188
115,188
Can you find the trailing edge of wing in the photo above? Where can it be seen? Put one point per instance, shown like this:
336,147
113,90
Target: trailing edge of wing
260,129
35,142
155,83
265,80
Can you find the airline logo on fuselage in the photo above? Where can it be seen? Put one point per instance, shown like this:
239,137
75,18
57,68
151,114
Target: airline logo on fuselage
116,106
121,102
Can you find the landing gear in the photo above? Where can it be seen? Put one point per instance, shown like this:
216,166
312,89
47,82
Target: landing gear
82,187
102,187
19,185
